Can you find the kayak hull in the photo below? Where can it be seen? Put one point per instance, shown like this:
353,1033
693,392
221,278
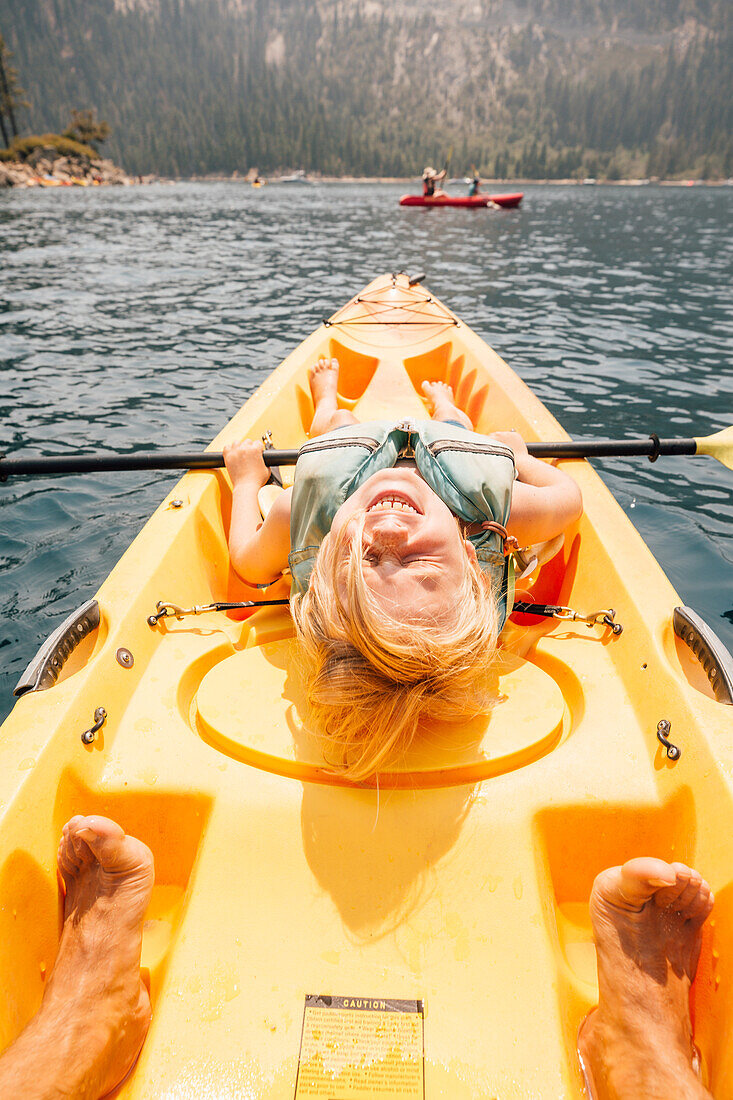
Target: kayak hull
507,201
463,881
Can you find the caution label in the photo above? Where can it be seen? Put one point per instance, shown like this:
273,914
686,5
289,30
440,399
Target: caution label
354,1048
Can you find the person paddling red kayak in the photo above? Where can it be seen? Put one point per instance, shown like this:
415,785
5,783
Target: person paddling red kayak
430,179
433,195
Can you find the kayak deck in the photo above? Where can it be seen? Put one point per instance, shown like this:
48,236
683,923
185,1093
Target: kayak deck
463,881
506,201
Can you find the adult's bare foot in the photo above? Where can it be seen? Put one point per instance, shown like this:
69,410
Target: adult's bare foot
323,379
95,1011
647,919
442,404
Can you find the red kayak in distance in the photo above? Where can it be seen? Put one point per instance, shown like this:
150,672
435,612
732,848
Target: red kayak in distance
508,202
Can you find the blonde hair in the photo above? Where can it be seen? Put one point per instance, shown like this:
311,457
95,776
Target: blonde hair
372,678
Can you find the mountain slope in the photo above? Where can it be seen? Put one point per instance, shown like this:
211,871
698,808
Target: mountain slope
550,88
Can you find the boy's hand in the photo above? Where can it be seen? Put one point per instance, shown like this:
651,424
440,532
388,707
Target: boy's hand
512,439
244,463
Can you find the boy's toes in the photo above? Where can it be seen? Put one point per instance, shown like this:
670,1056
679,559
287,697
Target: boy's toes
324,364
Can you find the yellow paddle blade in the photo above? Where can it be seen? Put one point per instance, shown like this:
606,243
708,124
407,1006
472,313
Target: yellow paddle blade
719,446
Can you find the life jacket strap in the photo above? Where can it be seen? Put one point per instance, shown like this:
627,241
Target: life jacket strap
510,543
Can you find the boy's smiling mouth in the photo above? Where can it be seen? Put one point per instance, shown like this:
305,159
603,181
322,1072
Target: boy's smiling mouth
393,502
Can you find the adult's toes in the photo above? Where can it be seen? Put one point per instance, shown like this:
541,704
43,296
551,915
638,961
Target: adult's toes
68,872
636,882
66,858
82,853
689,894
701,906
98,830
669,897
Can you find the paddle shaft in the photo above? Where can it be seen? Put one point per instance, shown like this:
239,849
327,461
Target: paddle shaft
143,460
614,448
212,460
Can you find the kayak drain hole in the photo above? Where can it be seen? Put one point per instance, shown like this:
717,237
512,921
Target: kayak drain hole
644,666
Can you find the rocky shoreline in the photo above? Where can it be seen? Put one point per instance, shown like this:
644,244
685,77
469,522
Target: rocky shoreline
47,167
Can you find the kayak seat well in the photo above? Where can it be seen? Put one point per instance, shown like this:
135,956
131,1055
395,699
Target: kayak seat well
171,824
355,374
530,718
550,584
711,1001
28,939
441,364
209,574
573,843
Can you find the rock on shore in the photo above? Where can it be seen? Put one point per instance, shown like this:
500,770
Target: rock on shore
47,167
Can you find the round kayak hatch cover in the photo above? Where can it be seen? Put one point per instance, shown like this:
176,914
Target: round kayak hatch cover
251,706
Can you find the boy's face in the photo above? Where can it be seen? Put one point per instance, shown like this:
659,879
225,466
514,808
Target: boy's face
413,552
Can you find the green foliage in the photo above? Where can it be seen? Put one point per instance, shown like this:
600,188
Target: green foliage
21,148
12,96
86,129
193,88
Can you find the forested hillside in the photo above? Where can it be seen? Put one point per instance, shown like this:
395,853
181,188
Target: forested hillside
538,88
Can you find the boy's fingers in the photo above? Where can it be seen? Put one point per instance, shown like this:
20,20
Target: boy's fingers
239,452
245,445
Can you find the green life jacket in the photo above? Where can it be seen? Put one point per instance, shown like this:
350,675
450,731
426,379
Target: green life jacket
471,474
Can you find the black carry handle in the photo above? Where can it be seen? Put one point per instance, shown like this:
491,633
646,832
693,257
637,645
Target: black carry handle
716,661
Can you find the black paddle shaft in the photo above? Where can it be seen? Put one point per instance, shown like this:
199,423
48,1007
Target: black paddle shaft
212,460
142,460
653,447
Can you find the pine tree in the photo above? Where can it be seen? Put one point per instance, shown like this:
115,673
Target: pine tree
12,96
86,129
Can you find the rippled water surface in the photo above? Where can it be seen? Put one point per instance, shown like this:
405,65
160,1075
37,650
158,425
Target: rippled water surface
144,317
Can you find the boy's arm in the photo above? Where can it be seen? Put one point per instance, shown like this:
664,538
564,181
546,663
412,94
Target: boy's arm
545,501
258,550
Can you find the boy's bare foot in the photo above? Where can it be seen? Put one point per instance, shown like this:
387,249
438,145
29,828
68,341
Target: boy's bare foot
442,404
647,919
323,379
95,1011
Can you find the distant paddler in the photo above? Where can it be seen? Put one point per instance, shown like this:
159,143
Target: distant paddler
429,180
475,186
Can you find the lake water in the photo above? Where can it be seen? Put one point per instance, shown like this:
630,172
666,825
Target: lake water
142,318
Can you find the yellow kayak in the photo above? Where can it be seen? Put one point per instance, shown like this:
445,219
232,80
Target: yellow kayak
427,936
